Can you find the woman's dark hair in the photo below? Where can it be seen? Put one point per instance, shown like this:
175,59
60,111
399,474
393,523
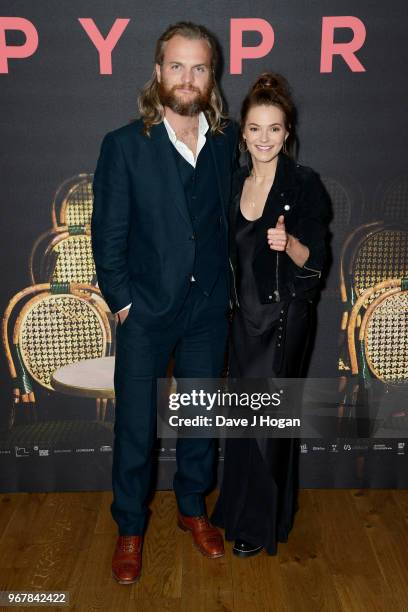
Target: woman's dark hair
271,89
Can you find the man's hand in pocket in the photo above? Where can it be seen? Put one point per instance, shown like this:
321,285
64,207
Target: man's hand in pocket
123,314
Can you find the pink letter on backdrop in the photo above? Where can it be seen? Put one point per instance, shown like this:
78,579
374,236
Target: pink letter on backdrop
238,52
104,46
346,50
19,51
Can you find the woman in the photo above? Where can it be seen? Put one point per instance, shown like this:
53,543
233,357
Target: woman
279,220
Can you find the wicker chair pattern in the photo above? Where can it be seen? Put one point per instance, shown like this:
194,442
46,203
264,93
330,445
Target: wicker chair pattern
73,201
56,324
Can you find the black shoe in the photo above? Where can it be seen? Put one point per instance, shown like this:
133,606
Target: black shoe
245,549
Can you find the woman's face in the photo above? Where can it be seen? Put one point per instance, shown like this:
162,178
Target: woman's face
264,132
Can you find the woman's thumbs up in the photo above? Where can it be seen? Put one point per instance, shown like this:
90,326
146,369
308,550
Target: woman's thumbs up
277,236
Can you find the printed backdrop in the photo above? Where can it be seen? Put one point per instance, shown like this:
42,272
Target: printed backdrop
70,72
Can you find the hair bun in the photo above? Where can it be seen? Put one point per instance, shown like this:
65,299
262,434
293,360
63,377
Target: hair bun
269,80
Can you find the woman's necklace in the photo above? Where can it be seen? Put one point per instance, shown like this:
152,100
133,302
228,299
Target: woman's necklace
254,177
263,176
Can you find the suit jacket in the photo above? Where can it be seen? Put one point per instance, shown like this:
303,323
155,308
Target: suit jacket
141,228
298,194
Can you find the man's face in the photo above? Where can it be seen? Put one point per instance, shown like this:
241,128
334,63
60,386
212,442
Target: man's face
185,79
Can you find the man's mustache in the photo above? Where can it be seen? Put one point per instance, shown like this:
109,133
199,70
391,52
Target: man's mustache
186,87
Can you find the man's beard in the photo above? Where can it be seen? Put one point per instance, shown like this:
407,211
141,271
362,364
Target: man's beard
168,97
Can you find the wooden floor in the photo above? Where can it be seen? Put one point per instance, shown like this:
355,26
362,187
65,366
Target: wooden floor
348,551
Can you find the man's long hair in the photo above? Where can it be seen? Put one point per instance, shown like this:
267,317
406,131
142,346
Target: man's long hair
151,109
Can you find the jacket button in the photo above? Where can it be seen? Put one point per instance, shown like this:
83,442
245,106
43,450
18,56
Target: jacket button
286,207
269,297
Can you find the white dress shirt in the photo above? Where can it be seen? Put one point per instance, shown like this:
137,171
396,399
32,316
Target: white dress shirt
181,147
185,151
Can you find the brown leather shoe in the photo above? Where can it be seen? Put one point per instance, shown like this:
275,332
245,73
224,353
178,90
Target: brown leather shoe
206,537
127,559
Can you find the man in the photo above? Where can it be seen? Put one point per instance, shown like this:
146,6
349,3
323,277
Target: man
159,234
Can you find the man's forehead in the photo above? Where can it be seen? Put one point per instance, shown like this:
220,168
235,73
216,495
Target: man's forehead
180,48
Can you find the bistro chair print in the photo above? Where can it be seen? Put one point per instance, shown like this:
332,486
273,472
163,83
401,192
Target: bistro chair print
378,349
47,326
373,253
343,208
63,255
73,202
380,256
373,393
379,346
392,200
347,293
346,199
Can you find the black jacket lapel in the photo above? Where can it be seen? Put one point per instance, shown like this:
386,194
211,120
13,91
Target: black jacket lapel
219,157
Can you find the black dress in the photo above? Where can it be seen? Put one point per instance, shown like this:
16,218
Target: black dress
258,497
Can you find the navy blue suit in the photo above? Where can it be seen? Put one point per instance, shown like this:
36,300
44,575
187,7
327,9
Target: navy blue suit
156,223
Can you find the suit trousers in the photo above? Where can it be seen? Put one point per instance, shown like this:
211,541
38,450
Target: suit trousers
197,339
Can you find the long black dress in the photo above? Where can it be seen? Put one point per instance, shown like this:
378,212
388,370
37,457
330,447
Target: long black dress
258,497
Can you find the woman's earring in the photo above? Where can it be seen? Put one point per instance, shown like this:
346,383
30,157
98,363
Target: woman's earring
243,146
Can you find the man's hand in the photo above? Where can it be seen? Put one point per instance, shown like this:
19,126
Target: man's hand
122,315
277,236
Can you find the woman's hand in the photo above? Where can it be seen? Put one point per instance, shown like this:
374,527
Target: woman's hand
277,236
280,240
